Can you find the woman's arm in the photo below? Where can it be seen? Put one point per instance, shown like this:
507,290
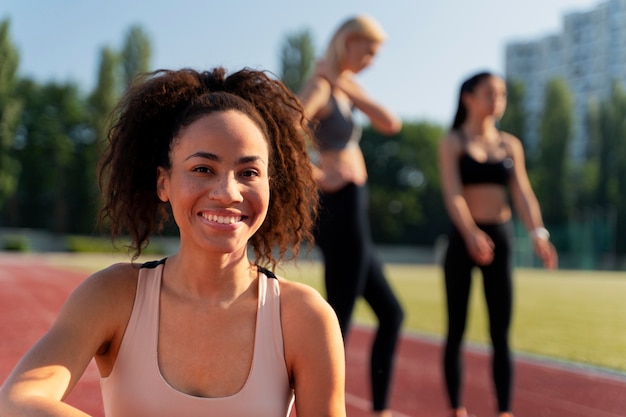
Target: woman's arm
381,118
479,245
53,366
313,351
527,206
315,94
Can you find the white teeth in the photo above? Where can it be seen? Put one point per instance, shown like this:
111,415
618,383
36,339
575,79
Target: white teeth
222,219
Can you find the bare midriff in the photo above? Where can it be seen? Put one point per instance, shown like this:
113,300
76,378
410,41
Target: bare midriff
488,203
342,167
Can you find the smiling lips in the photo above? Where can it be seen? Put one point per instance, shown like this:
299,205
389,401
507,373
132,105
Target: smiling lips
229,219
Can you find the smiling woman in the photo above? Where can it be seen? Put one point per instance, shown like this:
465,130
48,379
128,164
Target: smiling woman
203,331
218,182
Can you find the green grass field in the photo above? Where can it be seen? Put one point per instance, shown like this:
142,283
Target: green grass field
577,316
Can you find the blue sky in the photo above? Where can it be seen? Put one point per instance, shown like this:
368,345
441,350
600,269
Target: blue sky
432,46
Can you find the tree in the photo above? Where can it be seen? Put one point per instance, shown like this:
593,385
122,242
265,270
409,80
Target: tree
115,73
102,100
297,56
104,97
405,194
620,173
515,115
100,105
607,132
607,156
10,108
550,176
53,123
60,134
136,54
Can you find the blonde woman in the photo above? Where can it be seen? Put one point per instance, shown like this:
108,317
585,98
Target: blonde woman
352,268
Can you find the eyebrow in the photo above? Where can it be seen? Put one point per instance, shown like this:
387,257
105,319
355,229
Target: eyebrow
212,157
204,155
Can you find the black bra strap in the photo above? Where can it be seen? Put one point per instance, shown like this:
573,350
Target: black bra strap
266,272
153,264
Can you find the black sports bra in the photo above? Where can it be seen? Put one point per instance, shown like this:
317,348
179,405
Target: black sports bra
488,172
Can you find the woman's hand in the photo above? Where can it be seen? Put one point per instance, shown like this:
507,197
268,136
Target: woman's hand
480,247
546,252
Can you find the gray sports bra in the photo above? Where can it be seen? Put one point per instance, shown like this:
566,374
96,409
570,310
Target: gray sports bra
335,131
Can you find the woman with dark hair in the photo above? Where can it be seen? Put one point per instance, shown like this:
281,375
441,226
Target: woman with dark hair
480,166
352,267
204,331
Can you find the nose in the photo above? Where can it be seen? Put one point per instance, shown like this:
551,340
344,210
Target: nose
226,189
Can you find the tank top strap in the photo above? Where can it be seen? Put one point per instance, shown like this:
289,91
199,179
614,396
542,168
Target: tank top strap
147,297
269,325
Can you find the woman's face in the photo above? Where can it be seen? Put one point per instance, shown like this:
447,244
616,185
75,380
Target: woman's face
360,53
488,98
218,183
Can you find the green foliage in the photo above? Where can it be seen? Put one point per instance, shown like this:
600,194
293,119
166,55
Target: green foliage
94,244
550,177
88,244
10,108
15,243
297,56
607,153
405,195
103,99
101,103
136,53
9,60
53,127
59,136
514,120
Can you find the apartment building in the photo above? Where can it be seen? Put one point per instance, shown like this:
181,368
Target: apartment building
589,54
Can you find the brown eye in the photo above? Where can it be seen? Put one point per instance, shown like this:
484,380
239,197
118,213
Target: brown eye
250,173
202,169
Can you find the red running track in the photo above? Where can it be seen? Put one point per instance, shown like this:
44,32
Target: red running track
32,293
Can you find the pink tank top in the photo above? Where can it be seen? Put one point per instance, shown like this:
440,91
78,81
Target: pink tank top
136,388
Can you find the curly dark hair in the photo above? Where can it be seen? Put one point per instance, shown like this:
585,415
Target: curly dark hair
147,121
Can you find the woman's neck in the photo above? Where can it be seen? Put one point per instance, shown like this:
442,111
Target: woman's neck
206,275
482,127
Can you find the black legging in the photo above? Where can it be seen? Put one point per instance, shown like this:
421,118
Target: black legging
498,288
352,269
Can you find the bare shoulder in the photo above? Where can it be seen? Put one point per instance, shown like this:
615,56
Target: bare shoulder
304,312
451,142
512,143
116,280
94,316
310,326
315,95
314,352
110,291
319,83
510,139
302,300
